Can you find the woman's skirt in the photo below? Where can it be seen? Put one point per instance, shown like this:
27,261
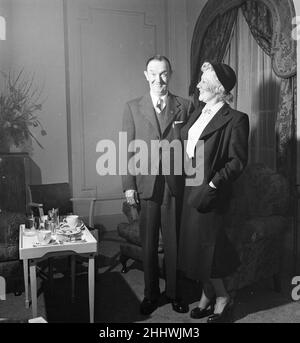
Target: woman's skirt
205,250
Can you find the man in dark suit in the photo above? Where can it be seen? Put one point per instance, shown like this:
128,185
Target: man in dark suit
155,119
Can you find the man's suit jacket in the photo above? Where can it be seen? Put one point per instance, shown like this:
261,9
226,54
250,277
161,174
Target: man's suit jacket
140,123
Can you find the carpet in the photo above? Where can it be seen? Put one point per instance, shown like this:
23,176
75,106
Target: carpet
115,302
117,297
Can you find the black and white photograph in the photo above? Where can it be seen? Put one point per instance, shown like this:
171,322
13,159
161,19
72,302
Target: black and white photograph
149,164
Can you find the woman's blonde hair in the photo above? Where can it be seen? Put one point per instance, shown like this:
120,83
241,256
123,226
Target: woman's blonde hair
215,85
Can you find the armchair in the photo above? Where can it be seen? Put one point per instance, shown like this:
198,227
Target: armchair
256,224
56,195
10,265
131,248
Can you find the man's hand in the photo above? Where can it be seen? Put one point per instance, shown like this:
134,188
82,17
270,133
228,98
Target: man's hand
132,197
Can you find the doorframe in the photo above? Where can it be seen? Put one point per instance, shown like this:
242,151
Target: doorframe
68,95
297,220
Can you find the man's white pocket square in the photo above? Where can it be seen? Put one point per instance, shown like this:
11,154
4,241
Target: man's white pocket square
177,122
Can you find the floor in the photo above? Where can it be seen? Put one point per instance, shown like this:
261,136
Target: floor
118,295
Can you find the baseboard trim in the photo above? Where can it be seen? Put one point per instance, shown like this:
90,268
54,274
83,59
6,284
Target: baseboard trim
109,222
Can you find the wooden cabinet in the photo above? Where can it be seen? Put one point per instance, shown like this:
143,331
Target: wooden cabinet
15,175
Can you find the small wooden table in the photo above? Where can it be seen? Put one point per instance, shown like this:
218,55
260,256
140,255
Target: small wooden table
29,252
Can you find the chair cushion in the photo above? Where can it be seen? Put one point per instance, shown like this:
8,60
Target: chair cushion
130,232
130,212
131,250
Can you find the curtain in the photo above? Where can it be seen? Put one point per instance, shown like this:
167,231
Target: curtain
275,42
213,46
257,92
286,129
259,19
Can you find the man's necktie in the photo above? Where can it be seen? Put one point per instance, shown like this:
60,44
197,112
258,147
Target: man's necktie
159,105
160,116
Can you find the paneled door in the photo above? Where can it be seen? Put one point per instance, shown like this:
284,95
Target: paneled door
107,44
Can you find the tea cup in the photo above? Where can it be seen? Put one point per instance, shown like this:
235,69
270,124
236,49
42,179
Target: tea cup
71,220
44,236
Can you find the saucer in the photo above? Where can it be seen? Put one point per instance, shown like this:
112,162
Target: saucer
67,231
66,227
29,232
51,242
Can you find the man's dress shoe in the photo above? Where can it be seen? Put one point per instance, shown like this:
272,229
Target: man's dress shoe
148,306
225,316
179,306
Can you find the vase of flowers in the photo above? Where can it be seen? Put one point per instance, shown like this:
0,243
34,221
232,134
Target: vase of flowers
19,105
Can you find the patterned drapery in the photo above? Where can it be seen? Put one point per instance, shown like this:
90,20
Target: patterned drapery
284,47
259,20
270,22
285,129
283,51
214,44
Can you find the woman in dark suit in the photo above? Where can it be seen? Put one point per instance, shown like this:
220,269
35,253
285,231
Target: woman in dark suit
205,252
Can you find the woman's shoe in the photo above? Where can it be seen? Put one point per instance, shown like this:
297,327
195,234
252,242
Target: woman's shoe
226,316
199,312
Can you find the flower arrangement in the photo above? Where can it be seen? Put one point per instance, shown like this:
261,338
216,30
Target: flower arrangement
19,103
